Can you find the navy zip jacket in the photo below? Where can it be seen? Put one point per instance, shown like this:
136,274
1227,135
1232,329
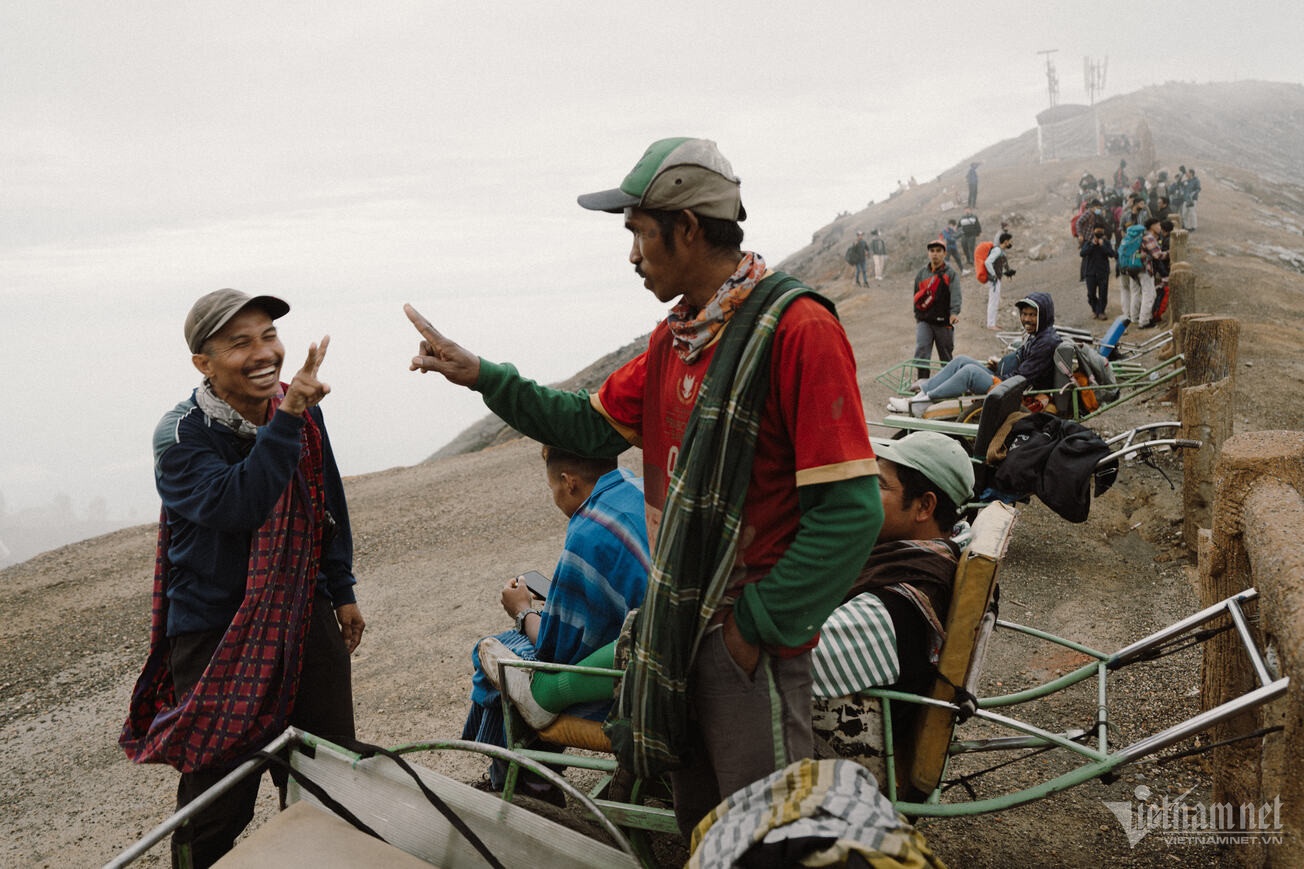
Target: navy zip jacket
217,490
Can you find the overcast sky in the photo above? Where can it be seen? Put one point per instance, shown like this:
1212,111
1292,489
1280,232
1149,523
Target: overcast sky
352,156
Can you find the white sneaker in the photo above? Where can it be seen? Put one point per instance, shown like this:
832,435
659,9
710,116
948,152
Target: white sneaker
899,404
492,652
518,688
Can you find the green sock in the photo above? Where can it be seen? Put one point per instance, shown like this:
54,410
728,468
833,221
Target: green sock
557,691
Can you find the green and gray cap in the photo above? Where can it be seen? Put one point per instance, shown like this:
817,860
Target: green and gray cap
676,174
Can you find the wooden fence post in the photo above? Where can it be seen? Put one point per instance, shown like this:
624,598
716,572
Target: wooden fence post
1206,408
1257,513
1178,245
1209,344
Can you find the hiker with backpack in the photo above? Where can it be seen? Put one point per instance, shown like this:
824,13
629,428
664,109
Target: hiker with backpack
1138,255
992,267
1131,267
937,306
1096,254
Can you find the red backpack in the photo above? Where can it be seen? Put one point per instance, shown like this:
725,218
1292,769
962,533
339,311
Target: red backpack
980,261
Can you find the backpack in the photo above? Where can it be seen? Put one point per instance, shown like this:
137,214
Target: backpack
1082,366
980,261
1160,306
850,255
1129,249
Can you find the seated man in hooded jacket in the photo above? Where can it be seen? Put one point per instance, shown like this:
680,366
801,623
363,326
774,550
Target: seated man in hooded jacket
964,375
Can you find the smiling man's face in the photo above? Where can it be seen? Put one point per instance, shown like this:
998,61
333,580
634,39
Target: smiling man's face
242,361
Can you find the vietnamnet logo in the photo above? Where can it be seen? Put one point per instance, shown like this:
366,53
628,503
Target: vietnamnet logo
1178,821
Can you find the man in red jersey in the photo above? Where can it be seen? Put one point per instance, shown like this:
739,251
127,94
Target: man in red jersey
761,485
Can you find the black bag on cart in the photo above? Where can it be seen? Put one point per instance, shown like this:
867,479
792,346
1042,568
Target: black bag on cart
1057,460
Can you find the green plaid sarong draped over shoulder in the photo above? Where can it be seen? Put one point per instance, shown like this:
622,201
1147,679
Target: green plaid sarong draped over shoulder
697,543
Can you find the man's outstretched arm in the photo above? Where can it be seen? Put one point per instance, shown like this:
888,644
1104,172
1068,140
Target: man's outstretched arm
551,416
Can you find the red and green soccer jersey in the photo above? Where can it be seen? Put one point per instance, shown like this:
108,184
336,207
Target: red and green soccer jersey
813,429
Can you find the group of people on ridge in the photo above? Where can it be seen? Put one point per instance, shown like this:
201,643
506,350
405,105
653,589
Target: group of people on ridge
1131,224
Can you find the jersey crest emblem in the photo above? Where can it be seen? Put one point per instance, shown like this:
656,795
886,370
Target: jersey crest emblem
687,387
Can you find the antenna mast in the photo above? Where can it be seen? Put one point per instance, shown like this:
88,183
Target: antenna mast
1093,76
1052,80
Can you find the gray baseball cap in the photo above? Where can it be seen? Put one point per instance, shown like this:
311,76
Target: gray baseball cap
676,174
212,311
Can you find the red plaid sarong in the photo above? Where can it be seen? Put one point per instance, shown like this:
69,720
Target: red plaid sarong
245,696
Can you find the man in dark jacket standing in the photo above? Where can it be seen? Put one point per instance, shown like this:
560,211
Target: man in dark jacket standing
859,257
254,615
1096,253
937,301
1192,196
970,230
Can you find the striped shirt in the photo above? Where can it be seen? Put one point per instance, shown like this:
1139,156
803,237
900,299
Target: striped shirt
857,649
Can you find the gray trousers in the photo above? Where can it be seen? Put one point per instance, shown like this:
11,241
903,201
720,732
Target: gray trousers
745,727
926,336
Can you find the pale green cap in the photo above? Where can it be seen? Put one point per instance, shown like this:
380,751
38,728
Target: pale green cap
939,458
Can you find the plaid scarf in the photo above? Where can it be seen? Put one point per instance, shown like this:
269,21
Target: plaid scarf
695,328
245,696
698,541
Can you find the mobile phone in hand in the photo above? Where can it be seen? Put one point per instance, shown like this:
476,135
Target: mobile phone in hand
537,583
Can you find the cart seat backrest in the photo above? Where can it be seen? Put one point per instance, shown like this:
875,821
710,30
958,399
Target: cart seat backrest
1004,399
967,629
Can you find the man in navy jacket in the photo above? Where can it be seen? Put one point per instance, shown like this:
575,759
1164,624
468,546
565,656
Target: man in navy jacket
254,610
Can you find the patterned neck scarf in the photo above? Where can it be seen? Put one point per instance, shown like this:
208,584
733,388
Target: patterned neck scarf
217,408
695,328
